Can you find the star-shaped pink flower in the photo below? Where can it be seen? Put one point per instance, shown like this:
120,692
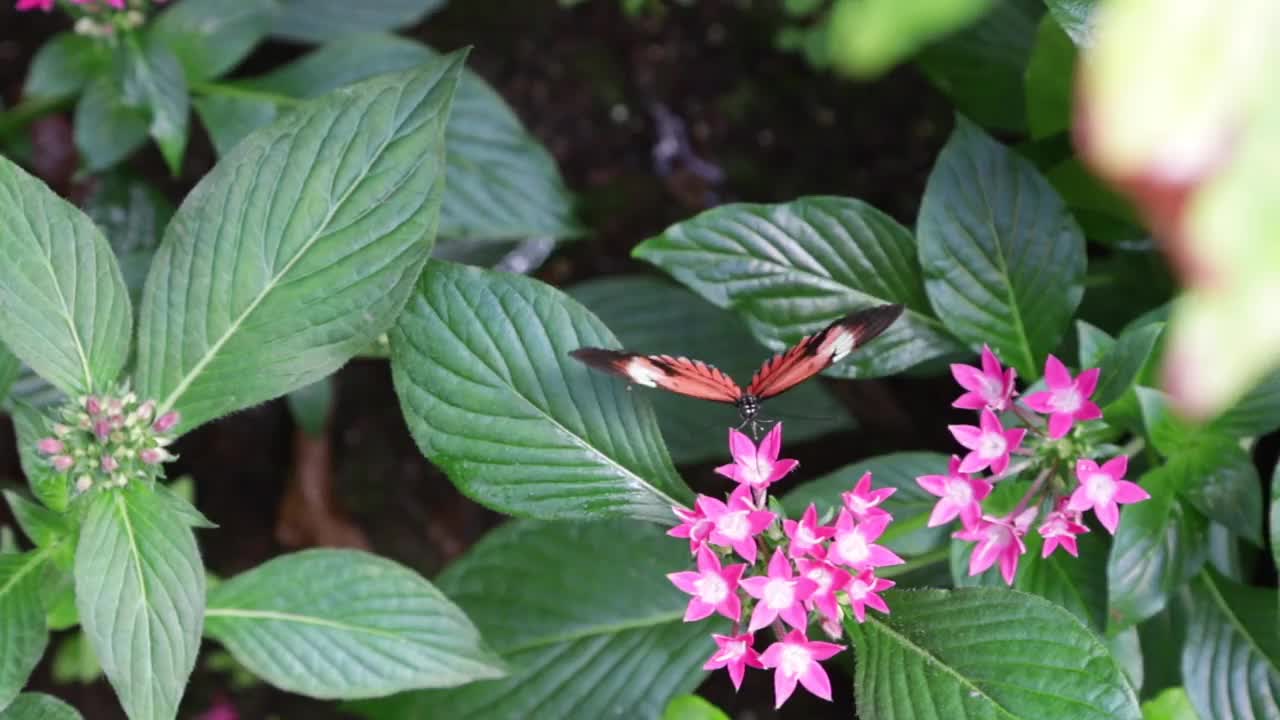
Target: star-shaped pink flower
780,595
828,580
25,5
961,494
990,388
989,445
693,525
1060,529
1103,489
758,467
854,543
806,535
1066,402
864,502
714,588
863,590
998,539
734,652
796,658
736,525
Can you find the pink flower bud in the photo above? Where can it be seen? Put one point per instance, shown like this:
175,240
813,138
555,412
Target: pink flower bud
109,464
154,456
60,430
50,446
147,409
102,429
93,405
117,422
63,463
83,483
166,422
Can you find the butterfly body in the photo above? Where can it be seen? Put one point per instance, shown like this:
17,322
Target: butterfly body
694,378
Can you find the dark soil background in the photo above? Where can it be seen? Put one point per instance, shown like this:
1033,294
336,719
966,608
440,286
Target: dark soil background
585,80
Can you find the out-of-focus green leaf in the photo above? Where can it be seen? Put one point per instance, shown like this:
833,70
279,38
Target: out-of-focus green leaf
38,706
692,707
133,214
320,21
74,662
210,37
1172,704
870,36
153,81
1275,515
1231,660
229,118
21,615
64,65
1123,363
312,405
1050,80
1076,18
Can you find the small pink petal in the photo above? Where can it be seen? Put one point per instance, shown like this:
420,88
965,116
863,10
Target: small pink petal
1116,467
1056,375
1127,492
1109,515
966,435
1087,382
741,448
1041,402
970,401
771,445
1060,424
967,376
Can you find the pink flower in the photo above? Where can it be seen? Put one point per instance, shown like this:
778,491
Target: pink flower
155,456
989,445
714,588
693,525
1066,402
998,539
736,525
757,467
166,422
799,659
990,388
1103,488
63,463
864,502
807,534
854,543
863,589
780,595
961,495
735,652
25,5
50,446
1060,529
828,579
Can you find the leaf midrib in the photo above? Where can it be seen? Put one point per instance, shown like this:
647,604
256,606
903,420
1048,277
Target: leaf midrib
299,619
36,559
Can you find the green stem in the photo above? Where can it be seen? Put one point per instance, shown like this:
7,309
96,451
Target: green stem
209,87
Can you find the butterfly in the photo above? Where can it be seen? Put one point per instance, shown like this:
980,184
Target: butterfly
778,374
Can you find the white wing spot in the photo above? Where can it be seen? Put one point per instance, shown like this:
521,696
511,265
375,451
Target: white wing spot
842,346
641,373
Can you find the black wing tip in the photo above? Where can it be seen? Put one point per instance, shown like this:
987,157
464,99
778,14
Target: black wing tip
597,357
869,323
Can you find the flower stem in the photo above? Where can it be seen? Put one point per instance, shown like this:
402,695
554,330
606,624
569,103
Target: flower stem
1133,447
1030,420
1041,479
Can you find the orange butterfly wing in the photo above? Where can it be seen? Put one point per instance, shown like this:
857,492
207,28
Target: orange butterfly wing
676,374
819,351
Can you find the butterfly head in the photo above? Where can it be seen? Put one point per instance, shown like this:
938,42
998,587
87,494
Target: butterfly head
748,406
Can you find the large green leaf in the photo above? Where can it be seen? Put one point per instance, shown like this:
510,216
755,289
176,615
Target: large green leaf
299,249
910,505
1078,584
789,269
152,80
1049,81
1219,479
10,370
984,653
1256,413
502,182
210,37
64,64
140,590
38,706
1159,545
30,425
318,21
22,616
1075,17
1003,260
42,526
981,67
577,647
481,364
64,301
346,624
1231,660
1123,362
638,310
870,36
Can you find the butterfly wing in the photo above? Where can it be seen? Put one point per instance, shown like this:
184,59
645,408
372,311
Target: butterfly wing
820,350
675,374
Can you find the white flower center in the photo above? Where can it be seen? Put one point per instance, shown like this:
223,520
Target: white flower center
1100,487
757,473
711,589
993,392
858,589
780,594
805,536
795,661
959,492
1055,527
853,547
992,445
998,537
822,577
734,525
1067,401
733,650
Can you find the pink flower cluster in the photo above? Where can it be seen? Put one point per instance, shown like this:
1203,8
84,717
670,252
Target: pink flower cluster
47,5
990,390
812,569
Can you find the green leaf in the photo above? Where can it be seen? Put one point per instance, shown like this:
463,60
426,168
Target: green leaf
1166,432
132,213
790,269
1123,363
38,706
1003,260
910,505
179,506
299,249
230,118
1126,647
1050,81
692,707
1076,17
318,21
481,364
311,406
1231,661
870,36
503,184
346,624
984,653
1275,515
140,590
22,616
50,487
10,370
1078,584
210,37
638,310
1256,413
577,647
1219,479
34,390
64,65
74,661
981,67
1094,344
153,79
1159,545
64,300
41,525
107,127
1172,704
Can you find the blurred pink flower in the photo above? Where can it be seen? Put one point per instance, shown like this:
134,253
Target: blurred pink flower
797,658
734,652
1102,489
25,5
828,580
989,445
1060,529
758,467
806,535
961,495
714,588
863,590
1066,402
780,595
854,543
864,502
991,387
693,525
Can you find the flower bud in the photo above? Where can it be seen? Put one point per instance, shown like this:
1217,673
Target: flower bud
93,405
166,422
109,464
63,463
146,410
155,456
83,483
102,429
60,430
50,446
